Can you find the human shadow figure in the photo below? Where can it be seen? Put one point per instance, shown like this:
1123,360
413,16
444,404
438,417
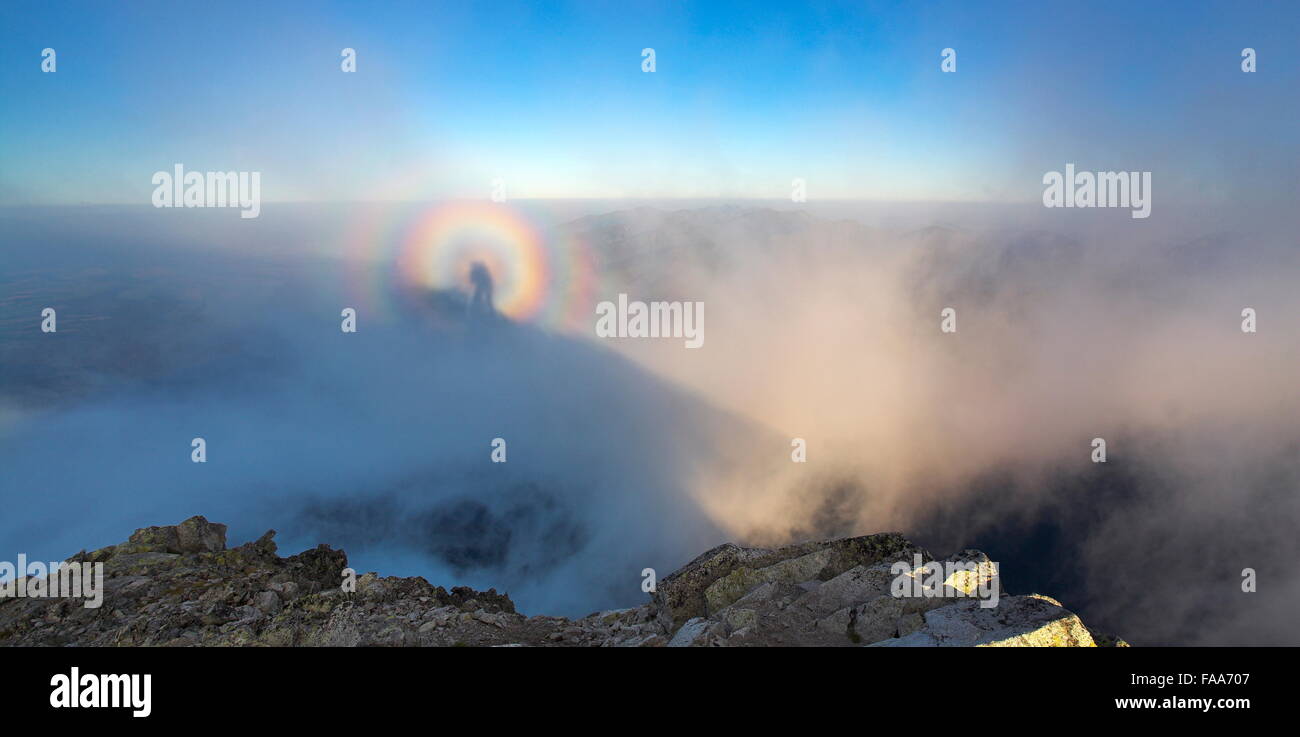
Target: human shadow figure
480,302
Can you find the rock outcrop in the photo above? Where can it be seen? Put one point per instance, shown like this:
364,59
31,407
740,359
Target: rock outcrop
181,586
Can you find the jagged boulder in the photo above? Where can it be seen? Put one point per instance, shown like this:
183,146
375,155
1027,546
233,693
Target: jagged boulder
194,535
1016,621
726,573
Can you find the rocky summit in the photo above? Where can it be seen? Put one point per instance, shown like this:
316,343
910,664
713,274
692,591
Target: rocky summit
181,586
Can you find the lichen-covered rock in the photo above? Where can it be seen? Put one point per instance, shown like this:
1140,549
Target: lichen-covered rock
1106,640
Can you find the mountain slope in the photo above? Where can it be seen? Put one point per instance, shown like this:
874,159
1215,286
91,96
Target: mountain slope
181,586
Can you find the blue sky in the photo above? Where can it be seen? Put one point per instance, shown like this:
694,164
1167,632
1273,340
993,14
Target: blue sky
550,98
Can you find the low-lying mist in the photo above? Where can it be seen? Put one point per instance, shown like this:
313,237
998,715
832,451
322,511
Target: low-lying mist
378,441
831,331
